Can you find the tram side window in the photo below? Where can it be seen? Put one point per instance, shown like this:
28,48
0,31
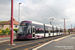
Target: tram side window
61,31
39,31
46,30
51,31
57,31
42,31
54,31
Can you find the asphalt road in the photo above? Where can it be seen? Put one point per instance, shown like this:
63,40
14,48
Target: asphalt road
26,44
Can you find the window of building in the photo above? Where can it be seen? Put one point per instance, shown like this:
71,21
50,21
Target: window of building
15,26
2,25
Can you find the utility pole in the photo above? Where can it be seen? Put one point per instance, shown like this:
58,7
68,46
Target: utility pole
11,37
64,27
71,28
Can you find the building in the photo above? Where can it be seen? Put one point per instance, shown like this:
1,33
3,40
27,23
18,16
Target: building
71,30
8,25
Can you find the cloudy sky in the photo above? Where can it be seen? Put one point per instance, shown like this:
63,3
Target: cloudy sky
41,11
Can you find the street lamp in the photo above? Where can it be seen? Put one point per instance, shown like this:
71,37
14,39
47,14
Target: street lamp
51,19
19,12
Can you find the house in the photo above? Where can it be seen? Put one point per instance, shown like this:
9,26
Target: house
8,25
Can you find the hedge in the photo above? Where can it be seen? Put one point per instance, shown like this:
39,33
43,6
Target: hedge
4,32
7,31
15,30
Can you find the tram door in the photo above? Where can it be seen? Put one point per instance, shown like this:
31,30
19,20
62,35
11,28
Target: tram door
33,31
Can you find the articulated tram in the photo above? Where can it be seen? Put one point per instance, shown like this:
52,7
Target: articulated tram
35,30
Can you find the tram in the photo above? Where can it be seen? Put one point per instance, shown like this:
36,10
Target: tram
35,30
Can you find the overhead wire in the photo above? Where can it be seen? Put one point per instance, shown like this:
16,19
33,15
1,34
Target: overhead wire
49,7
32,10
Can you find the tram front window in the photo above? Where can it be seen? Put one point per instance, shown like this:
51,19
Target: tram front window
25,28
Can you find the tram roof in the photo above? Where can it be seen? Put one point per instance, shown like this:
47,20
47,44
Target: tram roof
40,23
48,25
37,23
34,22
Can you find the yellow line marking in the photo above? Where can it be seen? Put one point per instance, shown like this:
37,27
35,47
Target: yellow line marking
61,38
34,46
28,44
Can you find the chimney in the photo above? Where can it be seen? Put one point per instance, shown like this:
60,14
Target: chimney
13,19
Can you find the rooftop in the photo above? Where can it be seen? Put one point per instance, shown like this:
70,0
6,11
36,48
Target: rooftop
9,22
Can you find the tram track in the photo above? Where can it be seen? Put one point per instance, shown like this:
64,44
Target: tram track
34,43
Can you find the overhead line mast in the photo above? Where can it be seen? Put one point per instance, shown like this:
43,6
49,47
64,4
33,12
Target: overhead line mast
11,37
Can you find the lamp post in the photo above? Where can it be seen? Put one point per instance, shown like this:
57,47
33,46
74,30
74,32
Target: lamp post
11,38
19,12
51,19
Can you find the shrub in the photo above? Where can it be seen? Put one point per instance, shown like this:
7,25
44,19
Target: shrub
15,30
1,32
6,32
7,29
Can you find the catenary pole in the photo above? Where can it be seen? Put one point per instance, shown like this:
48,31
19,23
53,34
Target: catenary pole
71,27
11,37
64,27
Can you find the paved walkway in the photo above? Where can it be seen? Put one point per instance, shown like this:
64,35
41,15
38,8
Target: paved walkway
4,39
64,43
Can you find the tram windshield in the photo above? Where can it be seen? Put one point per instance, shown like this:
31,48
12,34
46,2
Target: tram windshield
24,28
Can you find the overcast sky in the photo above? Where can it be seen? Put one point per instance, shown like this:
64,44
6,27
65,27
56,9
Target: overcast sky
41,11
